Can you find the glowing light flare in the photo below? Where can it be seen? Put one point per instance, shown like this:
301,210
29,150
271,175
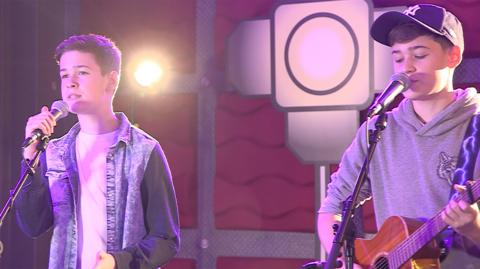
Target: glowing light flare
148,73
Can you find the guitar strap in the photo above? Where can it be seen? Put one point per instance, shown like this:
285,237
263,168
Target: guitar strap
463,173
468,154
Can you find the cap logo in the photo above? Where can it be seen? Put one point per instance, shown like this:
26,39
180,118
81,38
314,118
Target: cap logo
411,10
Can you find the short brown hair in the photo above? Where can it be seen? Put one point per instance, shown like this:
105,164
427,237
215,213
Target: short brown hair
106,53
409,31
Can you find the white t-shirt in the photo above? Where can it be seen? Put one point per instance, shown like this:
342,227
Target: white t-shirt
91,152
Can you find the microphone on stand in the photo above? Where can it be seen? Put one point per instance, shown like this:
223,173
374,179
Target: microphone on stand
59,110
398,83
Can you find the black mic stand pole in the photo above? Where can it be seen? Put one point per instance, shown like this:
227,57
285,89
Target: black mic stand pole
344,232
30,171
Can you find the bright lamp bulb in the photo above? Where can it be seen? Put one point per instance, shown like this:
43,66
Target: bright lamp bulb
148,73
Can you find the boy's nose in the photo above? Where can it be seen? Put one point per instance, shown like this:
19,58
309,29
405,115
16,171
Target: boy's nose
408,67
72,83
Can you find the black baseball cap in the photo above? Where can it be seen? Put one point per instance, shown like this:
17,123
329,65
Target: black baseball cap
434,18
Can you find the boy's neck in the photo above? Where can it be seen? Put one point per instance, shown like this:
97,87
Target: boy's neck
98,124
426,110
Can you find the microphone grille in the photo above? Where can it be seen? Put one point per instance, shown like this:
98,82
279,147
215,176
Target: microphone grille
402,78
62,107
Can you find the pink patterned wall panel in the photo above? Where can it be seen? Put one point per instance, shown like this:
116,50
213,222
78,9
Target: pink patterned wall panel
259,183
180,264
172,120
258,263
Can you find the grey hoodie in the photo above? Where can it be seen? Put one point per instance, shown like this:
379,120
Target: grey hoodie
412,168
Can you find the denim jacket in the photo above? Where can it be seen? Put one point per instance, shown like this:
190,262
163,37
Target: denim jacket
142,216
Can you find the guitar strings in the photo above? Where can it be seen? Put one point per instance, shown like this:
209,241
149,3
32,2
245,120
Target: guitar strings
437,225
398,253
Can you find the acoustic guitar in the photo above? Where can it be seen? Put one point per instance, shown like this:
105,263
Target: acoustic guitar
407,243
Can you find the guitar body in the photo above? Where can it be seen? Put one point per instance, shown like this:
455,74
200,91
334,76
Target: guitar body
371,253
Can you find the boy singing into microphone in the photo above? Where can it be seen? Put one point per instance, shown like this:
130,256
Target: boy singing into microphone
412,168
105,187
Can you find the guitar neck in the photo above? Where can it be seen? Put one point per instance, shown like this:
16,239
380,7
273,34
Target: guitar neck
427,232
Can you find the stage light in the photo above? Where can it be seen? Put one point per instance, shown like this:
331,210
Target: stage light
147,70
148,73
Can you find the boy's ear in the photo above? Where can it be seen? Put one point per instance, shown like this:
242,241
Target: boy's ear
454,57
113,80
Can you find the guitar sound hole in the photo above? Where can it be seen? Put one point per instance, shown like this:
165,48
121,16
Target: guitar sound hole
381,263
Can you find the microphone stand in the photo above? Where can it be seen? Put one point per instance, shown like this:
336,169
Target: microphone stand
344,231
30,171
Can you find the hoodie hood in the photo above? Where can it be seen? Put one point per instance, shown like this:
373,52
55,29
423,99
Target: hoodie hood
462,109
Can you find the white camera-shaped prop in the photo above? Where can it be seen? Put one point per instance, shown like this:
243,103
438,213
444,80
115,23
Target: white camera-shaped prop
316,60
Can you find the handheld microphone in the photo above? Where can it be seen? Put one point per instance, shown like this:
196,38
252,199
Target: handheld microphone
59,110
398,83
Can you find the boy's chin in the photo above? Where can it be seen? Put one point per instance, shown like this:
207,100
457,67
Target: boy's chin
79,108
413,95
408,94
